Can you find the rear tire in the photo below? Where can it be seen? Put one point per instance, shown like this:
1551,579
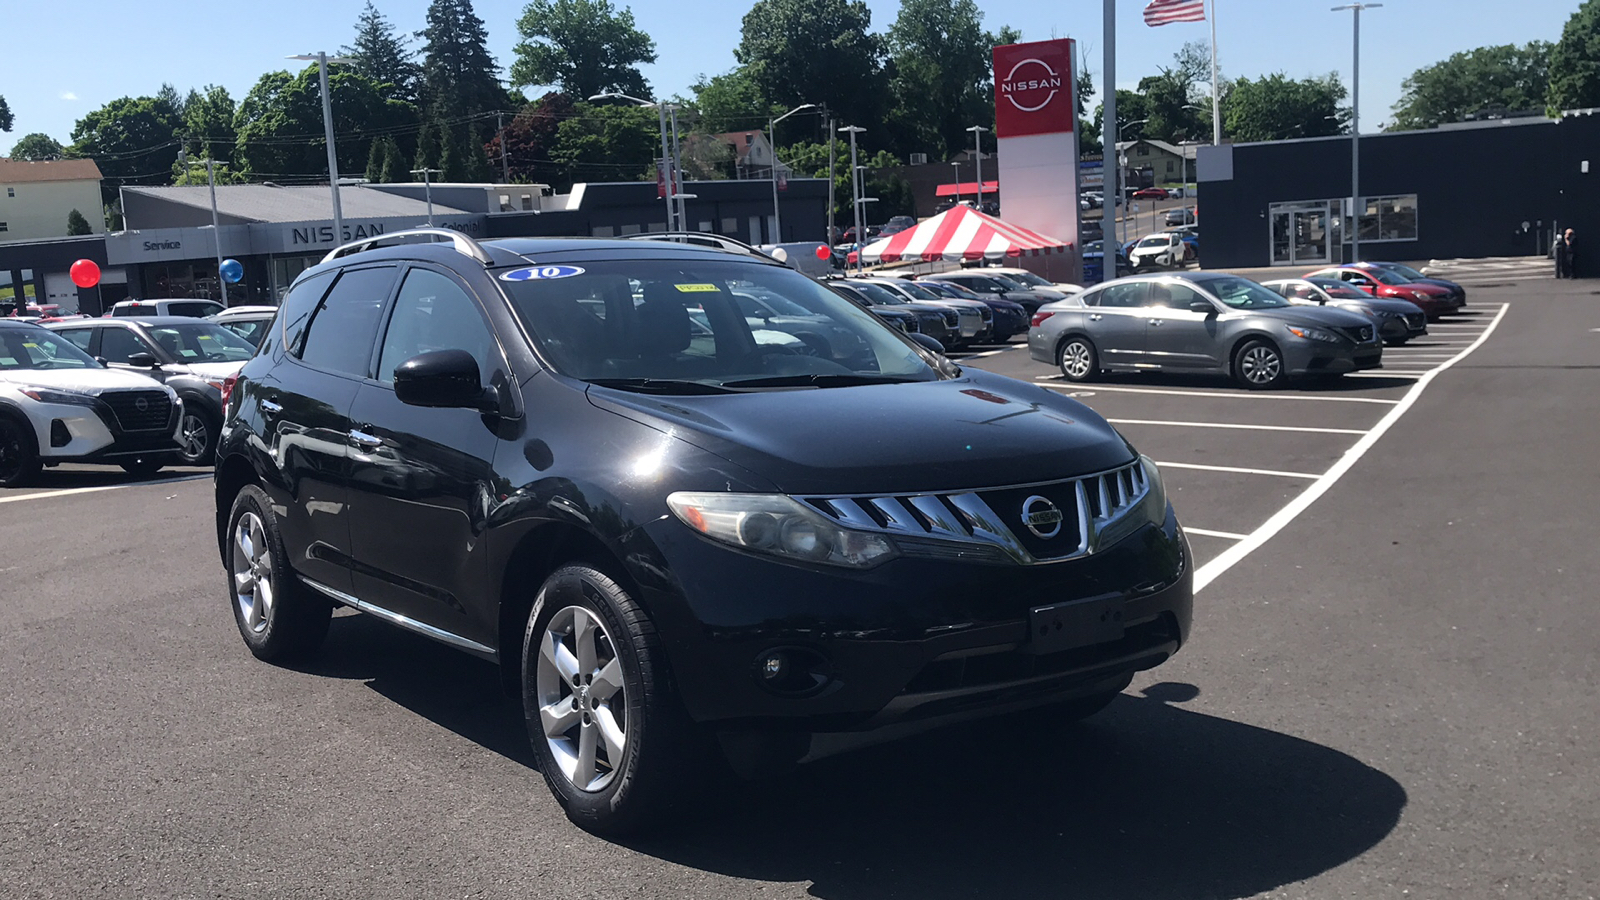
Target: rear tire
1077,359
279,618
607,728
19,457
1259,365
198,434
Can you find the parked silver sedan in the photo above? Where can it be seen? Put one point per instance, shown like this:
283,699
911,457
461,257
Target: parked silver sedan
1200,322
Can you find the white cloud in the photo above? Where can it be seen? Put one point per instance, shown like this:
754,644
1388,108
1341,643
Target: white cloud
68,95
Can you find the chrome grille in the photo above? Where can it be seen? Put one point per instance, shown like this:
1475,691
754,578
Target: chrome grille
1416,320
966,524
139,410
1360,335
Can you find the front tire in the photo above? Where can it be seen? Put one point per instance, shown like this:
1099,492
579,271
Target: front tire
19,458
279,618
198,436
1259,365
609,734
1078,360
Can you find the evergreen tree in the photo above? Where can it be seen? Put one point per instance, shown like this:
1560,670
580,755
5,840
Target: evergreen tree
383,56
451,164
459,76
395,169
5,115
375,160
427,147
475,163
77,224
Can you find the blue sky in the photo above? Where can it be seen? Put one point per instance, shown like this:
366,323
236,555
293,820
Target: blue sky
67,58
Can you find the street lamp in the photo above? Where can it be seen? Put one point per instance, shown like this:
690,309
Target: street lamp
977,149
1116,154
216,232
1355,123
669,162
955,167
772,138
855,189
427,188
322,60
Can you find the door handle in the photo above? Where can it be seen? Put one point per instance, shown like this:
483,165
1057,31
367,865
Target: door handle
1156,321
364,439
1096,317
271,406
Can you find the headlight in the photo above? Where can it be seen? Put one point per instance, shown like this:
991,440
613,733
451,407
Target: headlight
1314,334
1155,502
1422,295
779,526
51,395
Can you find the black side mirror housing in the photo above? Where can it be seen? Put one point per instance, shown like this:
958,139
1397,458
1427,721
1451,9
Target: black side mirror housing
1201,306
143,360
927,342
443,379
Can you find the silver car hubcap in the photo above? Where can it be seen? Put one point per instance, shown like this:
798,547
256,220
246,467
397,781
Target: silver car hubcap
252,572
1075,359
1260,365
194,437
582,702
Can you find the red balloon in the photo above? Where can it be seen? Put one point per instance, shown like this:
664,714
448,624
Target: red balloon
85,273
823,252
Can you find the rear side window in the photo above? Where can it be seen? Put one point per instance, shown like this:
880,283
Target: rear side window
198,309
1119,296
140,310
80,337
117,344
344,325
298,305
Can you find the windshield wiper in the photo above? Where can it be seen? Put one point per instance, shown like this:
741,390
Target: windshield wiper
659,386
820,381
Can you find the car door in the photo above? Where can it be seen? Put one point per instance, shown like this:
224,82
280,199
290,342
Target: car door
1117,323
328,339
1179,337
422,479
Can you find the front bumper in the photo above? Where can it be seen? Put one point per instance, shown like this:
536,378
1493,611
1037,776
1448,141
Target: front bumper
94,436
1319,358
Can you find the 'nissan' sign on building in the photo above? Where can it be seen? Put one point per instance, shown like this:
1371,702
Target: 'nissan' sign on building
1035,114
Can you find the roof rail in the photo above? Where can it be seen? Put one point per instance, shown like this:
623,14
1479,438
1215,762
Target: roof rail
463,244
702,238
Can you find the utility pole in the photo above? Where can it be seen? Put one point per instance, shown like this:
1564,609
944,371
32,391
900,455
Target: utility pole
855,192
831,201
1109,159
216,230
977,149
505,163
1355,125
676,191
772,138
322,60
427,188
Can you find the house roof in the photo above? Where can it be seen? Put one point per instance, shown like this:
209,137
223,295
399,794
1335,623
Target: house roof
268,203
20,171
741,141
1159,145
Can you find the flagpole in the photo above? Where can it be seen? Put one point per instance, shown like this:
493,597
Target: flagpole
1216,98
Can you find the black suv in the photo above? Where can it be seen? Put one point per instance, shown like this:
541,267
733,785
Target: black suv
576,458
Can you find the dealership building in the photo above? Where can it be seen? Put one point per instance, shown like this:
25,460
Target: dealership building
1501,187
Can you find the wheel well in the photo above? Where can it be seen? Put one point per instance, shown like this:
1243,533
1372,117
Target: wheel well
540,553
7,411
1233,353
231,476
1069,335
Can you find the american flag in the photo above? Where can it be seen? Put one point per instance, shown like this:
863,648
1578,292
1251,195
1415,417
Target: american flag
1161,12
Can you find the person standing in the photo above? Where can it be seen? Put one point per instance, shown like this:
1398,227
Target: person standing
1566,253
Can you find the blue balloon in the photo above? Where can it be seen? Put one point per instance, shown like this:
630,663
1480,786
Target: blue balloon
232,271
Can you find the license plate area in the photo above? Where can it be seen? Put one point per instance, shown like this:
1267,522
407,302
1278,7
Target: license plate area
1078,623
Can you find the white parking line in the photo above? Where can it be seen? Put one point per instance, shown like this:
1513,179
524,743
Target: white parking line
65,492
1216,534
1280,519
1236,469
1237,426
1232,395
986,353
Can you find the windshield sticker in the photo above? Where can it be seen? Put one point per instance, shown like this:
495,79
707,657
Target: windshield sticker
7,361
203,337
189,354
699,288
30,346
541,273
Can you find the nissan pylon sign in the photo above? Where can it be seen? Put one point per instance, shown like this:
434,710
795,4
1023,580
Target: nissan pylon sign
1035,116
1033,88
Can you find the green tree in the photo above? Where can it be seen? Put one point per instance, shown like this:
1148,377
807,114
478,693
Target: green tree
208,120
611,143
815,51
375,160
1132,113
731,101
383,56
77,224
37,147
530,139
475,158
583,46
195,173
428,148
459,76
1575,62
1275,108
395,170
452,161
131,139
1505,77
280,121
6,119
940,56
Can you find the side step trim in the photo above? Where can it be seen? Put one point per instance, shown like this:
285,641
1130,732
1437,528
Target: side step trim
393,618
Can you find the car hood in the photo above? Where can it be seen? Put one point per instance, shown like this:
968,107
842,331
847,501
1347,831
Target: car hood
979,430
215,371
1325,316
89,381
1439,283
1387,304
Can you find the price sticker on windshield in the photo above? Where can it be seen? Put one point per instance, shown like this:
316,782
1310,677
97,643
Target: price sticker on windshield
541,273
699,289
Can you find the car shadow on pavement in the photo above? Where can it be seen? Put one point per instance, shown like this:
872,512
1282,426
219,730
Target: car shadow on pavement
1324,385
1144,800
58,479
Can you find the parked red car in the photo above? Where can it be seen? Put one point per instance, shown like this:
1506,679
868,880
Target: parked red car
1435,301
1151,193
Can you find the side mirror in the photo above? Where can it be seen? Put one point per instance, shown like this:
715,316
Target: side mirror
143,361
927,342
442,379
1201,306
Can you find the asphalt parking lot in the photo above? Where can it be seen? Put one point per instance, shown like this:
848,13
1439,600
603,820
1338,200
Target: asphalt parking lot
1390,691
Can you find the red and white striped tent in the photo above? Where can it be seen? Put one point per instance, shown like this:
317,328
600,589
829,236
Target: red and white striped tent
960,233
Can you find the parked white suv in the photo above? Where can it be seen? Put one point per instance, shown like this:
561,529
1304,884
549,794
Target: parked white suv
57,404
194,309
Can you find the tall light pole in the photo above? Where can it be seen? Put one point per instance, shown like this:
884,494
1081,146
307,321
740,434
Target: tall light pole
427,188
322,60
977,149
216,230
831,202
855,190
1118,159
772,140
1108,109
1355,124
667,161
955,172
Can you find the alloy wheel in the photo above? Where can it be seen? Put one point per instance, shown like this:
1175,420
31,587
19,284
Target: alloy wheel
1075,359
253,589
582,700
1260,365
194,436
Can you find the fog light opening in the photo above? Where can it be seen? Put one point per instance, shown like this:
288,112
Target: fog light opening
792,671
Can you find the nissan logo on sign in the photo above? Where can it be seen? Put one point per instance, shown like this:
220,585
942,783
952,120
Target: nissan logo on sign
1033,88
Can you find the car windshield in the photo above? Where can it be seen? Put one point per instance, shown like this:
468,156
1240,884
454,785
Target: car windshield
877,293
1383,276
1405,271
1156,240
36,348
202,342
676,326
1341,290
1024,278
918,292
1242,293
1094,247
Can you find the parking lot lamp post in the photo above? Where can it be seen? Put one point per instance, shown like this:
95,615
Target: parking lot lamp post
1121,161
322,60
216,232
772,138
666,154
977,150
855,189
427,188
955,168
1355,123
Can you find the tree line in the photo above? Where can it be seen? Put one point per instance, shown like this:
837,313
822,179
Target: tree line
438,100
